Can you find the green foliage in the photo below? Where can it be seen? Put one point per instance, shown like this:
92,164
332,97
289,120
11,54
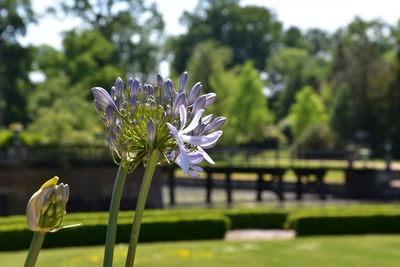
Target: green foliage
89,56
316,137
6,137
289,70
343,118
349,220
250,31
248,114
61,115
129,25
308,109
216,58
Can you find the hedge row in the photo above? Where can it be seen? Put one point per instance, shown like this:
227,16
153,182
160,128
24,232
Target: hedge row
158,225
170,225
93,232
345,220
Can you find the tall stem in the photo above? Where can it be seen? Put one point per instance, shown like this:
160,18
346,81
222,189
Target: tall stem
144,190
34,249
113,215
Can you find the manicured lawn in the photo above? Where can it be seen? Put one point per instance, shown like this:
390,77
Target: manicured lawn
373,250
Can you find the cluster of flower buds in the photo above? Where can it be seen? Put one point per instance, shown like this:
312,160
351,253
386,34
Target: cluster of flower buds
140,118
46,208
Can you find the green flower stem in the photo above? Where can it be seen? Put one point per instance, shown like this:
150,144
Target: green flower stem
113,215
144,190
34,249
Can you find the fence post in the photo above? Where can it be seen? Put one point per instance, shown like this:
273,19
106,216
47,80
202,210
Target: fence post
208,187
299,187
260,186
171,184
228,187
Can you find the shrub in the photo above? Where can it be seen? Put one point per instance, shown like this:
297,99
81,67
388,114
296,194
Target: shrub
351,220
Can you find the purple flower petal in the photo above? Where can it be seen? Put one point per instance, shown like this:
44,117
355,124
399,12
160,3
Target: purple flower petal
207,119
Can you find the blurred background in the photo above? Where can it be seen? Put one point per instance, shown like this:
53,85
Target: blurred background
311,146
303,85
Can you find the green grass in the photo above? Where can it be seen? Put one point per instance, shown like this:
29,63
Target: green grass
371,250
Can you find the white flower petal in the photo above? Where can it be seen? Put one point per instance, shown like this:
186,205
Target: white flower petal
183,115
205,140
193,124
205,155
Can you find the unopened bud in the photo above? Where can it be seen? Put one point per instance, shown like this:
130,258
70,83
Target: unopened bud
151,131
46,208
183,82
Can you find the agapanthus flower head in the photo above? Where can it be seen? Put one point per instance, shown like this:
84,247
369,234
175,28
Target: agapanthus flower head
46,208
141,118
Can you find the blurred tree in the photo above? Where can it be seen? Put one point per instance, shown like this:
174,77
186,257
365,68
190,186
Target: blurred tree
15,60
209,54
317,136
308,109
61,115
89,61
288,71
293,38
133,28
343,118
359,64
249,114
318,42
251,32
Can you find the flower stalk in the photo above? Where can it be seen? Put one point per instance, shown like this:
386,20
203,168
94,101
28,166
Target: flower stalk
113,215
34,249
137,221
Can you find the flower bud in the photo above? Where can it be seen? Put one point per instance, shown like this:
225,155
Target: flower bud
159,81
183,82
133,87
103,99
210,99
200,103
151,131
169,89
179,100
119,87
215,125
46,208
195,92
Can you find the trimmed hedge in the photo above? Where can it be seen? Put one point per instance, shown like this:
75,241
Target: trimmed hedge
158,225
93,231
196,224
346,221
257,218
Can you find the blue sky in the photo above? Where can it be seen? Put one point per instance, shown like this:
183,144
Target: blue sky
324,14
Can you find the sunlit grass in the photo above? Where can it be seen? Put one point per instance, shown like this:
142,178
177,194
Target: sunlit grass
374,250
